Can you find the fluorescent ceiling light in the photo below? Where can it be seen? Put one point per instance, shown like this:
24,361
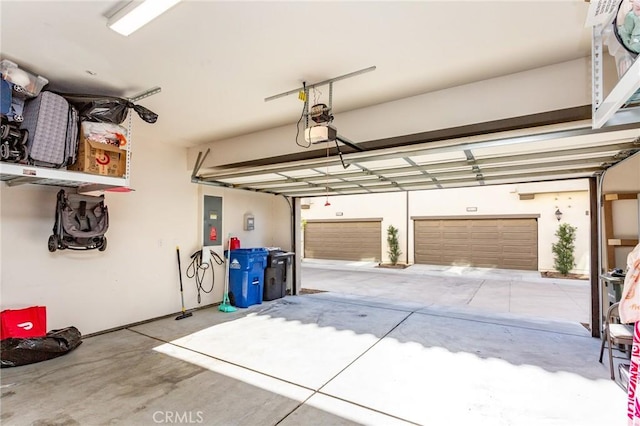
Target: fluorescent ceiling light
138,13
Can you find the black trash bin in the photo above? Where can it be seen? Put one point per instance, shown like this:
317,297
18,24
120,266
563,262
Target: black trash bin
614,284
275,274
614,290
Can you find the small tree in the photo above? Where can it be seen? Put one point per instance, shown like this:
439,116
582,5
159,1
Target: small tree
394,247
564,248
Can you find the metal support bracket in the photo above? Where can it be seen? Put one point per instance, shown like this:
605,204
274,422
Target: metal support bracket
321,83
603,110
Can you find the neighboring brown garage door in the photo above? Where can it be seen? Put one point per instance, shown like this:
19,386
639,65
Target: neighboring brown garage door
343,240
487,243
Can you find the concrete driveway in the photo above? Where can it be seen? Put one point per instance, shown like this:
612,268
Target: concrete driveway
490,290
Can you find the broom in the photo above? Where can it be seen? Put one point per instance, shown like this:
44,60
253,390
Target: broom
225,306
184,313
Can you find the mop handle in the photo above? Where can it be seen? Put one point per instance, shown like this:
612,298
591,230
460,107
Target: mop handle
226,275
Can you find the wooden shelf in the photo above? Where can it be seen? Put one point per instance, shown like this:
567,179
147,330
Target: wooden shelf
614,197
623,242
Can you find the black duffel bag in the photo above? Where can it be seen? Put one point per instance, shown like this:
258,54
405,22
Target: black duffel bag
107,109
22,351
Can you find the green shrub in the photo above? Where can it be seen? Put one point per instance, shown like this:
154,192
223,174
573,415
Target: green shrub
563,250
394,248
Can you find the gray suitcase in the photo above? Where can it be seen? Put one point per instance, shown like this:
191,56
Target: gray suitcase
53,130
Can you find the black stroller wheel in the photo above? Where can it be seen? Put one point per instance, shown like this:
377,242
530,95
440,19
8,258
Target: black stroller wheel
53,243
23,152
103,246
5,130
25,137
4,150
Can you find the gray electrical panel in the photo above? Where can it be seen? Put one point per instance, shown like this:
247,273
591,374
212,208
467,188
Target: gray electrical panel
249,222
212,224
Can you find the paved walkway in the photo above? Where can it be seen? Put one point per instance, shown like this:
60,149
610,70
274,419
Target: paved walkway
491,290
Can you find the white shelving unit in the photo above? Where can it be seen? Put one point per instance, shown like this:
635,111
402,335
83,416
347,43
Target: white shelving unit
604,109
19,174
13,174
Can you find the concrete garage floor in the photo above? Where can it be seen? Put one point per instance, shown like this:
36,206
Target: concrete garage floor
324,359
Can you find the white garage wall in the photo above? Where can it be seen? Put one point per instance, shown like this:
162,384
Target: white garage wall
271,213
136,278
575,211
272,224
571,197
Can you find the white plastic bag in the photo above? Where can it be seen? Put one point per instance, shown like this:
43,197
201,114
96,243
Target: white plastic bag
109,133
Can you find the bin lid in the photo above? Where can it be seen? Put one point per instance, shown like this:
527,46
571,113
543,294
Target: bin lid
282,254
276,253
250,251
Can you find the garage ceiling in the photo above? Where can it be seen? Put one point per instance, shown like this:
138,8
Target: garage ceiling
216,62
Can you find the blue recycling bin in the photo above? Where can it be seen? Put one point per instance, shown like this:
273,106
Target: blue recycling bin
246,276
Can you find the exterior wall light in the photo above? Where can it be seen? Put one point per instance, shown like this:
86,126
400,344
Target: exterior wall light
558,214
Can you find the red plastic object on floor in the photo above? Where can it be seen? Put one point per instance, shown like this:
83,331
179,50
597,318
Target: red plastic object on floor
23,323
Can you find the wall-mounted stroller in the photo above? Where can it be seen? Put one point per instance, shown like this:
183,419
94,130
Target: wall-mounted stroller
81,222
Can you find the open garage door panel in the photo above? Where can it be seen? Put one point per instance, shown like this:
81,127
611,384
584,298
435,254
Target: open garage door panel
343,240
505,243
